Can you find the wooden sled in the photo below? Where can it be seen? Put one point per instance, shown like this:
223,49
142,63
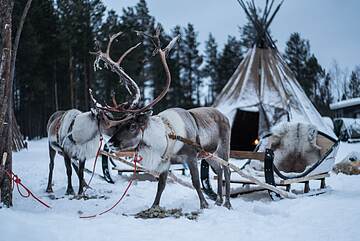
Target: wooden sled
318,171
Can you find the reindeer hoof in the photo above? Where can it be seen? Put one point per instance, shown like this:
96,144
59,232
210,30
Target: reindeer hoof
204,205
227,204
70,191
218,201
80,192
49,190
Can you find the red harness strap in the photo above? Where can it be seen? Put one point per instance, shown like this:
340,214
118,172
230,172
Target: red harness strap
137,159
16,180
94,165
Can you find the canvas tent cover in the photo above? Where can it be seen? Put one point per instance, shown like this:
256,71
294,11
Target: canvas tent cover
264,83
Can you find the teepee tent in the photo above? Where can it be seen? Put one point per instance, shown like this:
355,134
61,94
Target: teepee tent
263,91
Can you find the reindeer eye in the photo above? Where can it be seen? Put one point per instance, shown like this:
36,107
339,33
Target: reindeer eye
132,127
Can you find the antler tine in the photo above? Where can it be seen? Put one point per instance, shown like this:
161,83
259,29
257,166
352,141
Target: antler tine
126,53
114,100
125,79
97,104
112,38
162,53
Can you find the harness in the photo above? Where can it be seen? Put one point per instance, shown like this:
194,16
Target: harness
170,143
69,133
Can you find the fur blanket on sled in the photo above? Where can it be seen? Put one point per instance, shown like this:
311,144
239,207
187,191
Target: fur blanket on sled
294,145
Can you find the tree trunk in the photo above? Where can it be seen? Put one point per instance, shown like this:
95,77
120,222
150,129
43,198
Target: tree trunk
71,78
17,138
86,85
56,88
6,105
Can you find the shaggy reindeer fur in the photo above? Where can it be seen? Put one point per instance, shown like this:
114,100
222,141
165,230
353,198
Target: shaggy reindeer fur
294,146
76,135
206,126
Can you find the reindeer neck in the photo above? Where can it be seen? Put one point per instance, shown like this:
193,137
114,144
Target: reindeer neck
154,134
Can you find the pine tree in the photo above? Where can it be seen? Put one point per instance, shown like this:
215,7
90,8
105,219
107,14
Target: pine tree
297,52
229,60
354,84
35,70
191,61
325,96
211,65
313,74
176,94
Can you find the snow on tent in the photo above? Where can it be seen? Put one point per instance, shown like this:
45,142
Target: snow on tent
263,92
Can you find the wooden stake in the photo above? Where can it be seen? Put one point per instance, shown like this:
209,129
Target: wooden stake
4,159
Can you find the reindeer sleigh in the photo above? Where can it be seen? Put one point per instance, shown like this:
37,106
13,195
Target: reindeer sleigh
317,156
263,93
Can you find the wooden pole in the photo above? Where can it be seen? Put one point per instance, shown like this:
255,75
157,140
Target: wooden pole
207,155
171,175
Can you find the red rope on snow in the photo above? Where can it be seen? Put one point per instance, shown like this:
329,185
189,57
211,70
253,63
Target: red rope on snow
94,165
137,159
16,180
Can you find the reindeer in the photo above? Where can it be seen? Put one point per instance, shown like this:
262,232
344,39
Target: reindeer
150,134
76,135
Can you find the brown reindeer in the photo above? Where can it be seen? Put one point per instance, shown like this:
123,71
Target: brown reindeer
149,135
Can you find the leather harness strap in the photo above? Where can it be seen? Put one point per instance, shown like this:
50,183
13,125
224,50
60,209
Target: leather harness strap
70,131
169,143
58,125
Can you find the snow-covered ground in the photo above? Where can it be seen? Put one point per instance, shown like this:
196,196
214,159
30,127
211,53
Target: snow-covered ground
331,216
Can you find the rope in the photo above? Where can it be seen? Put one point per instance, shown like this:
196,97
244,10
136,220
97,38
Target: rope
94,165
137,159
16,180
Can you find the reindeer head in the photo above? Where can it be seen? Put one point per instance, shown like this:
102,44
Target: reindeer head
126,131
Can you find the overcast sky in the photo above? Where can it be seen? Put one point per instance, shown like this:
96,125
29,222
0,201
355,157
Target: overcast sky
332,26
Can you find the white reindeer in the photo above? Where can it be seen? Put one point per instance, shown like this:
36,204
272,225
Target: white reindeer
76,135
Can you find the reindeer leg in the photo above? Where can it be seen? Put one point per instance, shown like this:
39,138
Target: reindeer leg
219,173
76,168
160,189
52,154
81,176
196,182
227,174
69,189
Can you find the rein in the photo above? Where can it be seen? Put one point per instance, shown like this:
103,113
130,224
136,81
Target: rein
137,159
94,165
97,155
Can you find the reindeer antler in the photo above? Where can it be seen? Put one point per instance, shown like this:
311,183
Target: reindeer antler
163,53
115,67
